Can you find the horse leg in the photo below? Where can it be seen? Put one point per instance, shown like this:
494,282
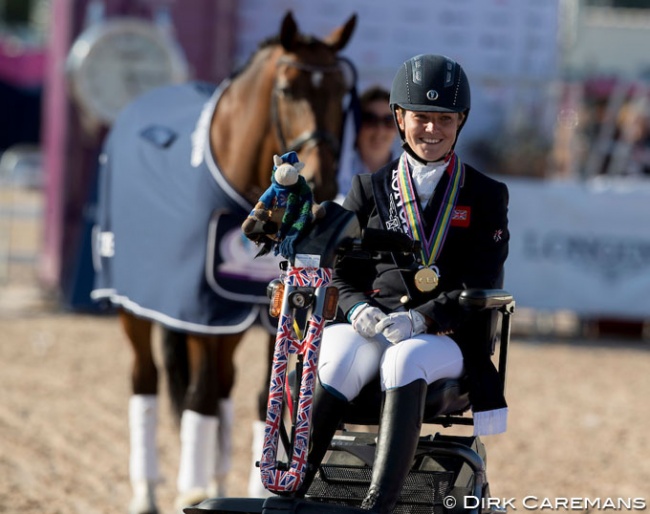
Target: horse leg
226,379
255,487
263,396
174,350
205,438
143,416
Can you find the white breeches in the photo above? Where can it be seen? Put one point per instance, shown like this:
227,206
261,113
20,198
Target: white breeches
349,361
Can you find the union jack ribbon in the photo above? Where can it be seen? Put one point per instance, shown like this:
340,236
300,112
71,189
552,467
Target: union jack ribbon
305,277
286,343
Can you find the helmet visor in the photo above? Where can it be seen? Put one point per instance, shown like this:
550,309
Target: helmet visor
427,108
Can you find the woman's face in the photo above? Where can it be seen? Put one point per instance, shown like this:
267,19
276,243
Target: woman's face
377,131
431,135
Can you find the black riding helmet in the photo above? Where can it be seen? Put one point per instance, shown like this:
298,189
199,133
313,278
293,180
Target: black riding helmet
431,83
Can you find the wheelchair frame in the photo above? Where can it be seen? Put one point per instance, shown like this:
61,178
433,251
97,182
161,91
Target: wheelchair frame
447,469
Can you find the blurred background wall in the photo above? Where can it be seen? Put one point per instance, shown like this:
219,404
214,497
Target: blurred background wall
560,92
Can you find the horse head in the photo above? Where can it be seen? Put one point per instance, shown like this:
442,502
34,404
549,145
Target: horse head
290,97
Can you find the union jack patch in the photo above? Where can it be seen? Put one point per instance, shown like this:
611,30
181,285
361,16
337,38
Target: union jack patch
460,216
498,235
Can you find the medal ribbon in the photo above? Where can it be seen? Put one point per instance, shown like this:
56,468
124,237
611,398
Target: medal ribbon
432,245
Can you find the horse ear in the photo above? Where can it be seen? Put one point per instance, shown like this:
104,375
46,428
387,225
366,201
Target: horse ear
340,37
288,31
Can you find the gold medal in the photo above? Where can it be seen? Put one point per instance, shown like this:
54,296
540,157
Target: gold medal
426,280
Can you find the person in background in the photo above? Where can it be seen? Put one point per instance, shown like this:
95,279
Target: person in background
630,147
400,322
375,139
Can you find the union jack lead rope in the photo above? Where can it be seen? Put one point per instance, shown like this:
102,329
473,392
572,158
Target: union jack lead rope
286,343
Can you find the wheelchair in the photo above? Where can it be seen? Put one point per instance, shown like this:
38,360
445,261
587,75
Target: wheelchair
448,474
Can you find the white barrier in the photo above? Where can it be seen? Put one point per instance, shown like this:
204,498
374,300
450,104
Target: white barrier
584,247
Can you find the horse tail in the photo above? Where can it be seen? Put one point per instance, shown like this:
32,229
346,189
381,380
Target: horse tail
176,361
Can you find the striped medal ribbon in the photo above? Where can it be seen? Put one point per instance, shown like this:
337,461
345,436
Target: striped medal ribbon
427,277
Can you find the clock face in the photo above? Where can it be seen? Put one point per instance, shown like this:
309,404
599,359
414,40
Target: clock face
113,62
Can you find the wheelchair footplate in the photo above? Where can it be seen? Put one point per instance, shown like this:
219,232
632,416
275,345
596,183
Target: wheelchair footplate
446,469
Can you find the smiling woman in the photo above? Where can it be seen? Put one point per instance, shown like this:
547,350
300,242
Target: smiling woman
396,325
431,135
431,100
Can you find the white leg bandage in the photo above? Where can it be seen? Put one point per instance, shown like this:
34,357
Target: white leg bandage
255,487
143,500
143,418
198,448
223,457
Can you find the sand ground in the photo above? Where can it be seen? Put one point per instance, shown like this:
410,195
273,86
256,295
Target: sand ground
578,427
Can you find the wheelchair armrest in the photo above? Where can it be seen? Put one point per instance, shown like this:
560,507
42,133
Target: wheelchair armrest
482,299
489,305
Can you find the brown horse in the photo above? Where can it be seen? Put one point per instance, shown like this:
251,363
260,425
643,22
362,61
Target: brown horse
289,96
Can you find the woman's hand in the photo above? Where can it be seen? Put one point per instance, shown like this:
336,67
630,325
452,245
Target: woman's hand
398,326
364,318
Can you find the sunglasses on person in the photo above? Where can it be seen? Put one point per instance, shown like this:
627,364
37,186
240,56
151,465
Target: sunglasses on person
372,120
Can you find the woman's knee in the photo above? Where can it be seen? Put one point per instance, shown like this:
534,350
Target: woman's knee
429,358
347,361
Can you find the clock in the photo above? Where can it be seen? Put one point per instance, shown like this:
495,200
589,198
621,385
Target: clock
114,61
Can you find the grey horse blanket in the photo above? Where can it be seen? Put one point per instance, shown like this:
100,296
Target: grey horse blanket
167,243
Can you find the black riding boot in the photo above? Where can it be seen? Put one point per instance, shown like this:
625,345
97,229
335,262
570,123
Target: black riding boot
399,432
326,418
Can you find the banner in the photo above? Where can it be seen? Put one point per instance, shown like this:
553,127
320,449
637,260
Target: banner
583,247
508,48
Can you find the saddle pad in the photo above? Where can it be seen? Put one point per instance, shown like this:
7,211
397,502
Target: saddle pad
234,270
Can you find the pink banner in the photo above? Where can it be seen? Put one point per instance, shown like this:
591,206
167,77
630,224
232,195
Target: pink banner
21,65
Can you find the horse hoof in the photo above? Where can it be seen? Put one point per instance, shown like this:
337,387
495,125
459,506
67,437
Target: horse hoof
189,498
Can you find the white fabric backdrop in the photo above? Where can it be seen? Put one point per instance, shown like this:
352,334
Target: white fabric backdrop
509,48
580,246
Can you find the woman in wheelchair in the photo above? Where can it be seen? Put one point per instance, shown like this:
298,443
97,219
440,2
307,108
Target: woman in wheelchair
400,318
